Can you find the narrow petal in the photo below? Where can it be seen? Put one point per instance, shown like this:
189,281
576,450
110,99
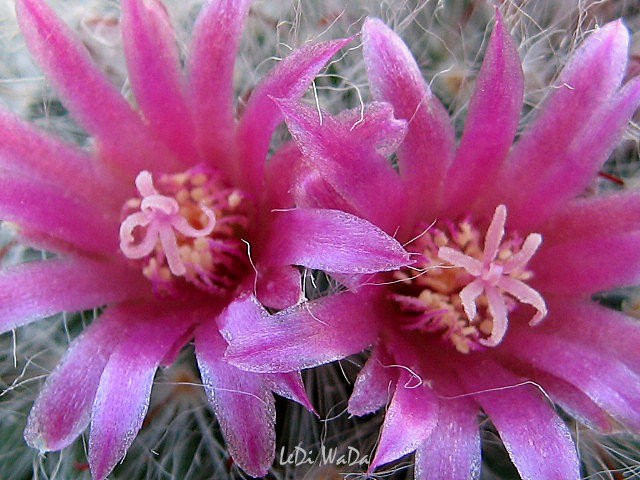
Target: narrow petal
590,78
600,328
375,383
289,385
584,156
411,417
573,401
31,152
212,55
53,424
394,76
526,422
564,268
279,286
453,448
281,174
602,215
615,388
243,405
491,123
155,73
311,190
303,336
289,80
87,93
376,125
123,395
43,208
38,289
351,164
333,241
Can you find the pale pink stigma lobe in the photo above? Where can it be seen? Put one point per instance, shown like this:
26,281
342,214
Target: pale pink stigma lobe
493,278
160,215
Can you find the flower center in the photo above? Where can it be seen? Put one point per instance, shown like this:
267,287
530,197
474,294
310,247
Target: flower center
465,291
187,227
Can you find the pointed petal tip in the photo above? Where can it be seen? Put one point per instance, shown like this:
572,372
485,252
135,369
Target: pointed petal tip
374,25
615,32
35,440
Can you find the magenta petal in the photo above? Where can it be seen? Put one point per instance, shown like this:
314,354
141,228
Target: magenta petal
411,417
452,451
242,403
62,410
313,191
492,121
92,100
38,289
303,336
279,286
600,328
281,176
374,384
155,73
573,401
333,241
212,55
289,385
591,77
123,395
528,426
395,77
613,386
289,79
593,217
350,163
27,150
43,208
585,155
564,268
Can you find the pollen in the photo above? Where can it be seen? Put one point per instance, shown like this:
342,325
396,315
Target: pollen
187,228
465,284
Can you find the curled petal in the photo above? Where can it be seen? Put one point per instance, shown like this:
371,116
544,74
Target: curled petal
498,311
525,294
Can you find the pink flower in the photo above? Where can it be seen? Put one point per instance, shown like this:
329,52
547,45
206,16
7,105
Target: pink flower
165,220
496,313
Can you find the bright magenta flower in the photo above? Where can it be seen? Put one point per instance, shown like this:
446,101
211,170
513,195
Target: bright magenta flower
156,222
509,250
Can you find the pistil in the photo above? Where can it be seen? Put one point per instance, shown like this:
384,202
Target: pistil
466,291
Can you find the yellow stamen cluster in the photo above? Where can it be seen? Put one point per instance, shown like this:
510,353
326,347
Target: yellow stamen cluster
428,292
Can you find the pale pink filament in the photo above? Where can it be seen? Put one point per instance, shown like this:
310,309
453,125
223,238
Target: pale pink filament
493,278
161,216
